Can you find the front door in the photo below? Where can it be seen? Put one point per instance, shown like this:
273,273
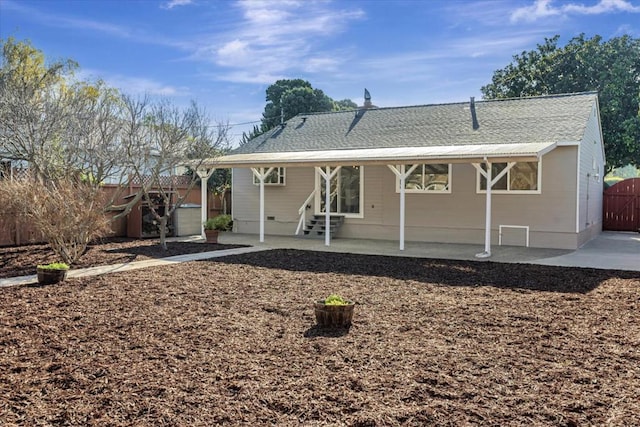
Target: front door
345,192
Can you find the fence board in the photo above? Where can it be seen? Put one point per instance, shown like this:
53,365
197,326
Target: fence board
622,206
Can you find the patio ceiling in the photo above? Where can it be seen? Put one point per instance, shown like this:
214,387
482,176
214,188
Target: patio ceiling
495,153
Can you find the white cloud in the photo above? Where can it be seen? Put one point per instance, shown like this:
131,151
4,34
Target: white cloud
544,8
173,3
540,9
604,6
279,37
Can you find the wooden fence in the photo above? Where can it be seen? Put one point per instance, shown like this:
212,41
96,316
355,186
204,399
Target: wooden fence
16,231
622,206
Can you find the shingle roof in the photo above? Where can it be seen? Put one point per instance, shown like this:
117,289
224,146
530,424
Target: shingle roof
535,120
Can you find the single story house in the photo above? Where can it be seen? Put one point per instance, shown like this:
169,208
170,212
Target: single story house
525,171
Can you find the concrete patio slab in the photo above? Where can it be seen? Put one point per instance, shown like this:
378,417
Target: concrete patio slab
610,250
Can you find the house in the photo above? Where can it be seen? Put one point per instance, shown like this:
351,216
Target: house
420,173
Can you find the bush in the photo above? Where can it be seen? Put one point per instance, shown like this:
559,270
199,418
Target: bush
69,214
220,223
335,300
54,266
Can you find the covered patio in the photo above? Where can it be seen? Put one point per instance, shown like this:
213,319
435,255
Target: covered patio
509,254
401,161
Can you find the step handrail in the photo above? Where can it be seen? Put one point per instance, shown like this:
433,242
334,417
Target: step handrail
303,212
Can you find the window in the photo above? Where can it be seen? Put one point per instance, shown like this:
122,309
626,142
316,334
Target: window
276,177
346,189
435,178
522,177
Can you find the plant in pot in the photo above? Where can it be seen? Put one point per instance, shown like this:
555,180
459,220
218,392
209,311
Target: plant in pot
214,225
55,272
334,312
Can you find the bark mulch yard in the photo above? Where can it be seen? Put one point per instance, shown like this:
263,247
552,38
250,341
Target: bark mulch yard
232,341
22,260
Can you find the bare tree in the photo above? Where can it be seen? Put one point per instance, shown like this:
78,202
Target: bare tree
160,139
86,132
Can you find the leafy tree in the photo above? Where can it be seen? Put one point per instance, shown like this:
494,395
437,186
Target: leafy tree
610,67
288,98
60,127
246,137
344,105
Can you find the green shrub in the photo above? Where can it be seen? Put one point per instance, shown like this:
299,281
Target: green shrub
54,266
220,223
335,300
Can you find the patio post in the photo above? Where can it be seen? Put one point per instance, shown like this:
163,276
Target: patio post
204,175
327,207
261,175
402,175
487,220
327,175
490,183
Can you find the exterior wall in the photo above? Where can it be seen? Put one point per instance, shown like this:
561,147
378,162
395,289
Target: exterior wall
590,179
281,202
456,217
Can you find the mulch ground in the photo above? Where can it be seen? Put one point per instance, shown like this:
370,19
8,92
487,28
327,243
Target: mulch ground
22,260
233,341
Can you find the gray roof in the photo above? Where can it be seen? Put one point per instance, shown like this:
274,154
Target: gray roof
534,120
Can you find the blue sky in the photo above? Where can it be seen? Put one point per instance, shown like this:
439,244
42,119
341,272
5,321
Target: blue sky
225,53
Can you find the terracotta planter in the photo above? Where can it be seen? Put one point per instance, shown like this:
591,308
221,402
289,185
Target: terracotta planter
334,316
47,276
212,236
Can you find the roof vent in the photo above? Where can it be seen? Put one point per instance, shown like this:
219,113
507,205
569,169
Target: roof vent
474,117
367,99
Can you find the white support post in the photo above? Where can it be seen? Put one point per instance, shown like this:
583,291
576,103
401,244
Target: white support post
261,175
487,218
402,175
327,207
327,175
204,175
490,183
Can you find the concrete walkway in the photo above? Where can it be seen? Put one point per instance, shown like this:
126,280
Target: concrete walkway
128,266
610,250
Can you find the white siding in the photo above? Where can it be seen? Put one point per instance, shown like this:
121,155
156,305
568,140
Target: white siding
281,202
457,217
590,180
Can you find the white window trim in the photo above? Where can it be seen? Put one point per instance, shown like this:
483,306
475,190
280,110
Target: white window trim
282,178
495,191
407,190
320,181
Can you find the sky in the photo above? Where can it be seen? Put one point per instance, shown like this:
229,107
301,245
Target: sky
223,54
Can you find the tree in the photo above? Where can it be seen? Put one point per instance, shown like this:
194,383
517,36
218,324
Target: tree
246,137
83,133
288,98
58,126
344,105
159,139
612,68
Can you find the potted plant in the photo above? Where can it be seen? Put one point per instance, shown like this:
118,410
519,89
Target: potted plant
55,272
334,311
213,226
